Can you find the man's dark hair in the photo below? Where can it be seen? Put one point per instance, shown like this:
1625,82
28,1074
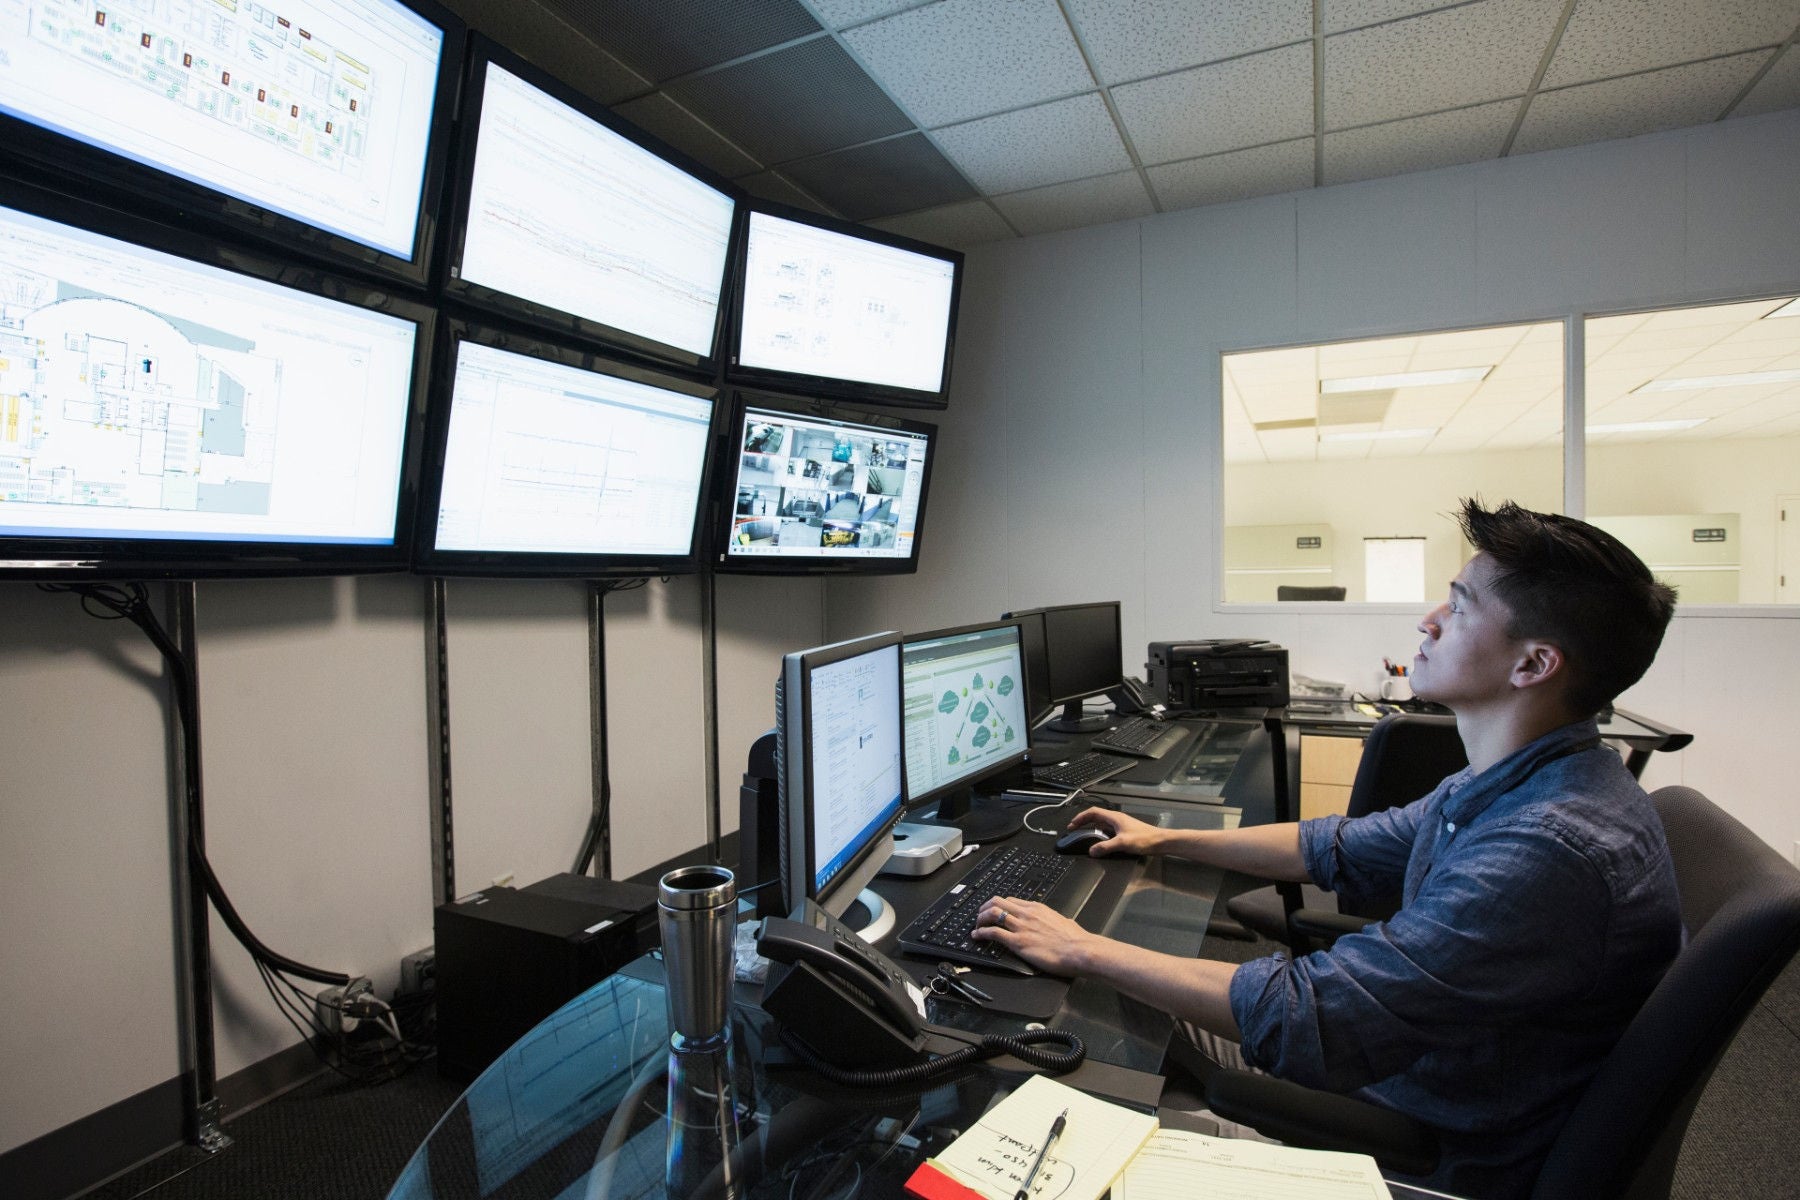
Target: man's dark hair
1576,586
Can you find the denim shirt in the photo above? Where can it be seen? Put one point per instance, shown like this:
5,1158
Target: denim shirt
1539,910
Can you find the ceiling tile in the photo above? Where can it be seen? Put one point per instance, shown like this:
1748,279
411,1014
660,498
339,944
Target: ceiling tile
1050,143
1264,171
1246,102
1129,39
968,58
958,226
1084,202
1621,108
658,114
1418,143
1339,15
772,185
882,178
548,41
840,13
1779,89
1606,39
673,37
796,102
1446,59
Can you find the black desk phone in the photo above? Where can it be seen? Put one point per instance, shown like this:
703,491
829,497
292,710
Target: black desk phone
839,994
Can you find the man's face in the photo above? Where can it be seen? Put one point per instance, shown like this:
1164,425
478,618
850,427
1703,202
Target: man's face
1467,656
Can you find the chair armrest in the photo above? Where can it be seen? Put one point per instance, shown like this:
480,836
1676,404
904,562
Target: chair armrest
1324,924
1303,1116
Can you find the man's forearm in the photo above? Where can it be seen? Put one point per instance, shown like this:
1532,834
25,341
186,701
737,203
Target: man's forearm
1265,851
1191,989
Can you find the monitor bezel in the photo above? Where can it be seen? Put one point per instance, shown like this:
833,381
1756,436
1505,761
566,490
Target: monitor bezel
817,409
800,885
77,559
1011,764
830,387
521,564
483,51
139,187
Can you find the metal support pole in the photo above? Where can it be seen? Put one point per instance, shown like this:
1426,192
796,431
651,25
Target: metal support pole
204,1114
709,708
437,716
598,841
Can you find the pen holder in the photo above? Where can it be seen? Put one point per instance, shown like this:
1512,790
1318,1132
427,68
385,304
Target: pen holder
696,910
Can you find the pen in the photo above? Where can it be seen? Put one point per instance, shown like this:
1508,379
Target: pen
1056,1128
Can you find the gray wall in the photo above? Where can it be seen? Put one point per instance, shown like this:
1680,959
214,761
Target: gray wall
1085,421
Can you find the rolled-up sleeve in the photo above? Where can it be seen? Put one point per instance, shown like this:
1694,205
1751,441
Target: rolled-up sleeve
1362,857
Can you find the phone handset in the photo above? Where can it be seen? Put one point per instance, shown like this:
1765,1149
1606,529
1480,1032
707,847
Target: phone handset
849,962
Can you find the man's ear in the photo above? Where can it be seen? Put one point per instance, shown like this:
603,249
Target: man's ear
1538,663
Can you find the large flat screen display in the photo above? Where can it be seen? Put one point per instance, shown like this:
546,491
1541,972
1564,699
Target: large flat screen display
814,488
571,220
319,112
842,311
548,461
156,411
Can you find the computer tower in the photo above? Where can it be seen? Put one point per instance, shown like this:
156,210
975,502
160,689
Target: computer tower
509,957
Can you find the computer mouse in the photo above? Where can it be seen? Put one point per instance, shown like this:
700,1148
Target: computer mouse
1077,841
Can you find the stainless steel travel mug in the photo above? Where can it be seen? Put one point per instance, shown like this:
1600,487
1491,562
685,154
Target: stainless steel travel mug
696,908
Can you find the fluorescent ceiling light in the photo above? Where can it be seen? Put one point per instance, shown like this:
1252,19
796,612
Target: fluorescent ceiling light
1374,435
1647,426
1694,383
1790,309
1370,383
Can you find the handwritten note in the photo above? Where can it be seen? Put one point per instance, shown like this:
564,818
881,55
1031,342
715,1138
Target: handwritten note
1099,1138
1176,1165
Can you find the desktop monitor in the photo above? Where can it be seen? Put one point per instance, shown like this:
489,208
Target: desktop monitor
1082,649
964,705
162,416
828,308
571,219
544,460
815,488
317,127
838,768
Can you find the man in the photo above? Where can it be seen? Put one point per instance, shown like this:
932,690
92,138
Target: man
1538,902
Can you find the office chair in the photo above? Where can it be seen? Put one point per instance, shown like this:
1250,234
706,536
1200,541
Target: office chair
1285,591
1740,902
1405,756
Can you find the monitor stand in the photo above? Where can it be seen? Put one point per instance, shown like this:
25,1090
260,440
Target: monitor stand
869,916
1073,720
982,819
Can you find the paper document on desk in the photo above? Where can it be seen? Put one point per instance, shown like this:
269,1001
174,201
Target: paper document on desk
1177,1165
994,1156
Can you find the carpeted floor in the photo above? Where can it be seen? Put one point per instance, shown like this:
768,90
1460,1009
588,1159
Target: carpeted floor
330,1138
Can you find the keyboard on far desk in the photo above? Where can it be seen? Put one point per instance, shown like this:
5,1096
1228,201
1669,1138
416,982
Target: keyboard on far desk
1081,771
944,930
1139,736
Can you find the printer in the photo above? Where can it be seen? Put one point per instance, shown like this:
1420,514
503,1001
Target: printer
1225,673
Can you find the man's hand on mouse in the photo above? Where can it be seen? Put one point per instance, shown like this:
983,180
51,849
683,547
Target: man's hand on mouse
1128,834
1041,936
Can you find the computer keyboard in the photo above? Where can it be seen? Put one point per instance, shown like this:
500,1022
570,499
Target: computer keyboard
1081,771
1062,881
1139,736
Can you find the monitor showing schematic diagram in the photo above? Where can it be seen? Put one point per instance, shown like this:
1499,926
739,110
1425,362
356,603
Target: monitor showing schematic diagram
832,309
324,113
963,701
151,404
547,461
569,218
819,488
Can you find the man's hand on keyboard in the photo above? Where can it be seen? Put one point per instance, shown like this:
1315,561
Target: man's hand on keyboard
1128,834
1041,936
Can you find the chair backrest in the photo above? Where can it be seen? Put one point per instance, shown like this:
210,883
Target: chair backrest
1740,902
1405,756
1288,591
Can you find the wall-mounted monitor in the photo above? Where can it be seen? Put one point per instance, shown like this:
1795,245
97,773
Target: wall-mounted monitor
808,487
840,776
827,308
545,460
569,218
317,127
164,417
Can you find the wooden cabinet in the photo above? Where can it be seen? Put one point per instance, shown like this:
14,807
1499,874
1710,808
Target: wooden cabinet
1327,769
